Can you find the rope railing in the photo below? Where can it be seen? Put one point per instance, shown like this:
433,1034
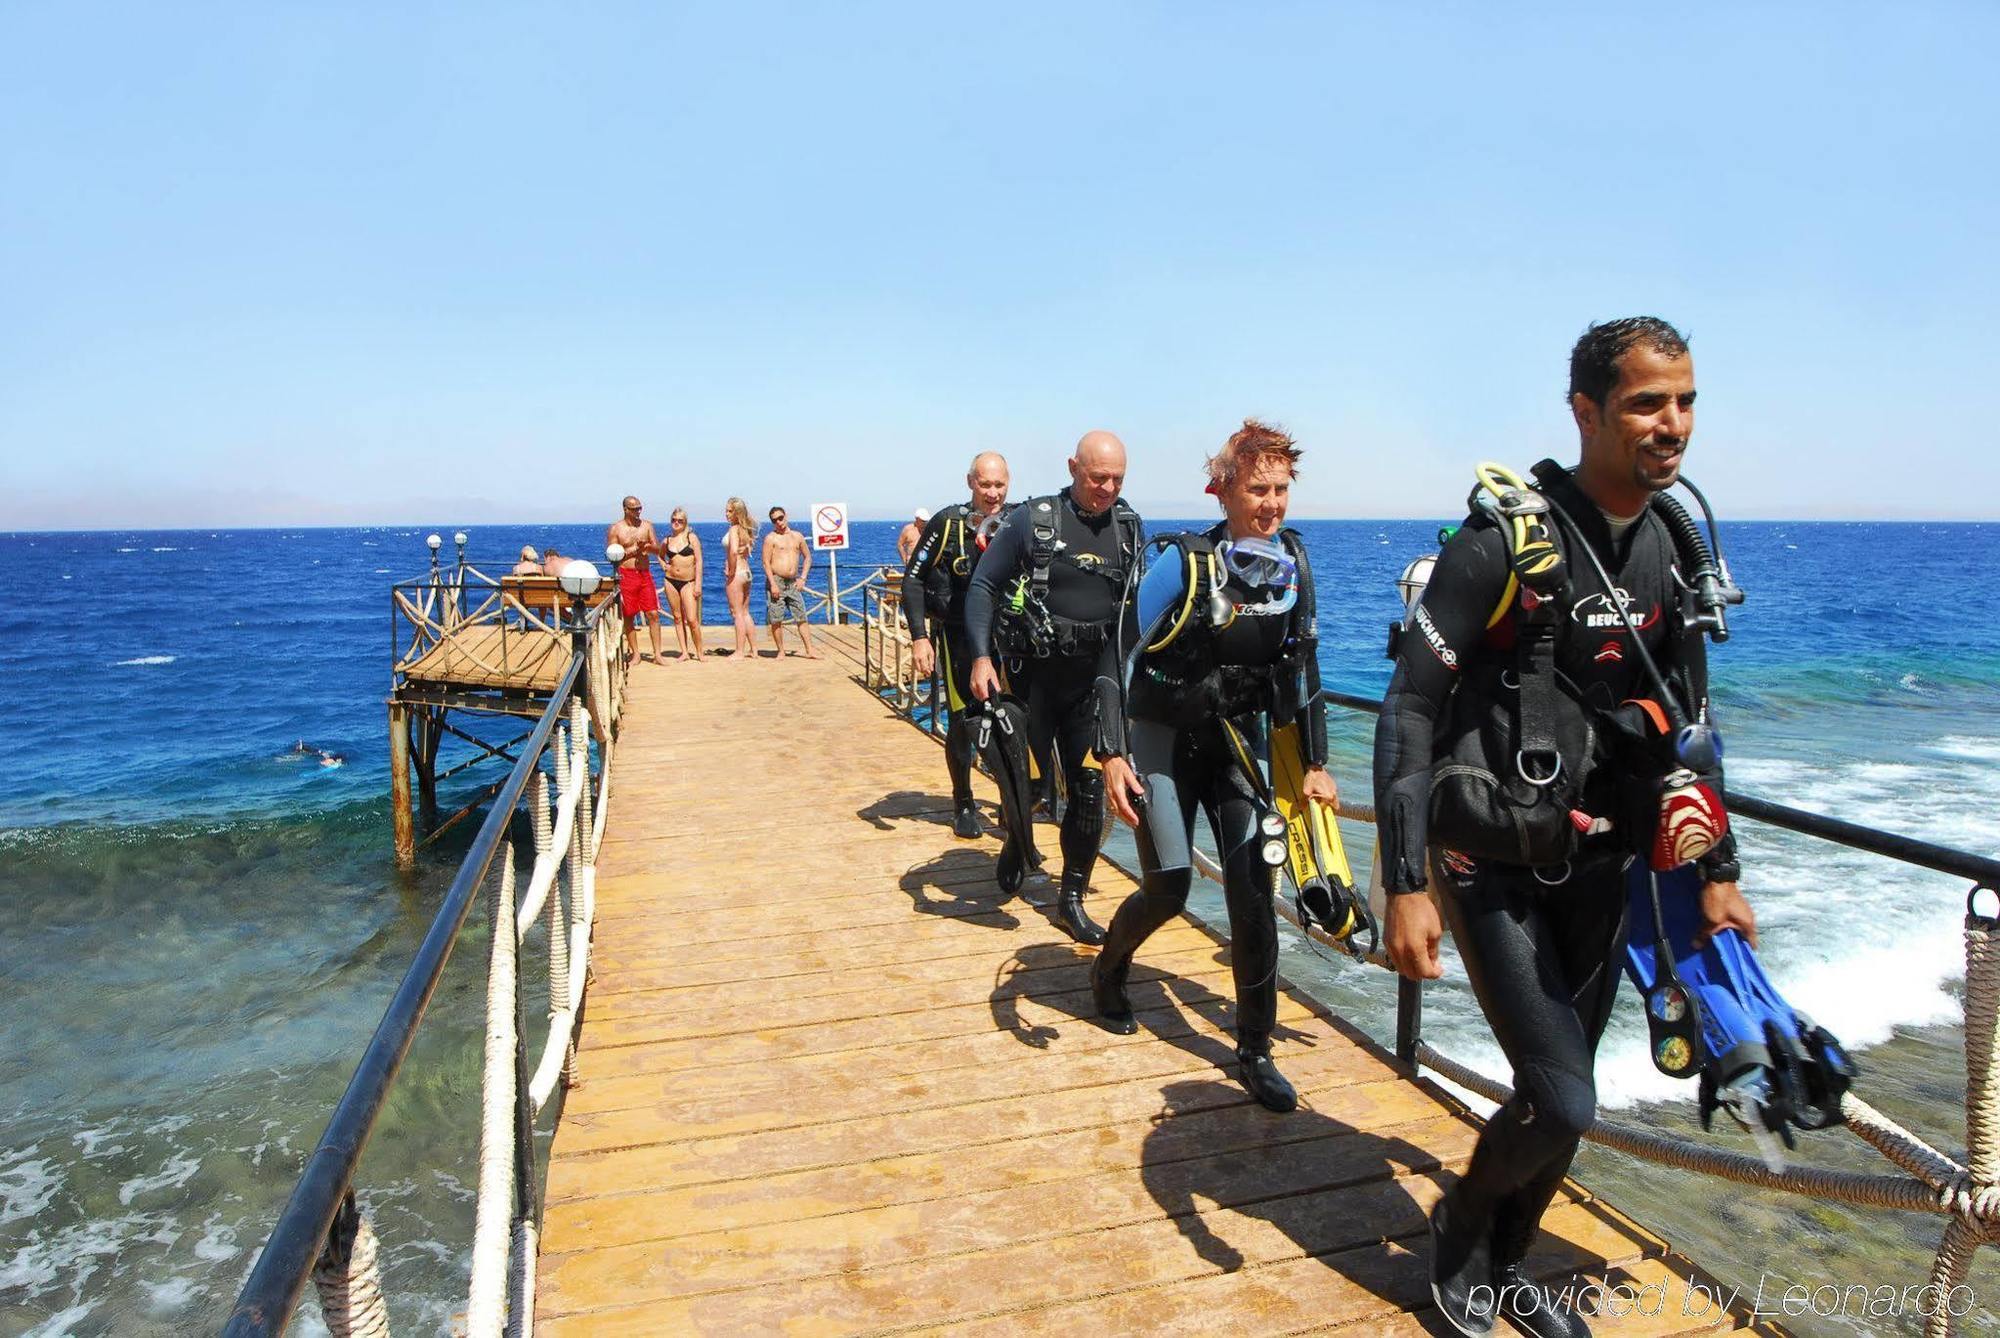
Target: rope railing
562,787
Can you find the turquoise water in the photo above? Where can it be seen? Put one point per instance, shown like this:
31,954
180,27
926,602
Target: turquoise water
199,925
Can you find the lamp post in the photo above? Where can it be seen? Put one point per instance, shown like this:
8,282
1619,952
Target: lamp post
579,580
434,542
458,577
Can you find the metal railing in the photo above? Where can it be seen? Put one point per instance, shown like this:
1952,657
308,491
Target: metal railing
888,666
321,1233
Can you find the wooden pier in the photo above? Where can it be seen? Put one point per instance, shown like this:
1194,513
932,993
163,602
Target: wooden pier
831,1081
472,643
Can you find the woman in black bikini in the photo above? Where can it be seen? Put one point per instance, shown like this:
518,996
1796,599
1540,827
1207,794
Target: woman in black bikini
681,552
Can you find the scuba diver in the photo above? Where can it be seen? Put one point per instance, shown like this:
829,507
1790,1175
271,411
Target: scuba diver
1222,637
934,583
1046,594
1518,757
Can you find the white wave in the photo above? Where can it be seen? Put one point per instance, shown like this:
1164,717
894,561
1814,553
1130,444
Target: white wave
177,1172
128,550
171,1296
218,1241
145,659
166,550
63,1322
26,1187
94,1143
1965,745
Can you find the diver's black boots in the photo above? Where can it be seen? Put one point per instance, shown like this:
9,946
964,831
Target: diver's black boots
1010,869
1107,993
1076,922
1534,1309
1461,1268
1528,1305
1262,1080
965,819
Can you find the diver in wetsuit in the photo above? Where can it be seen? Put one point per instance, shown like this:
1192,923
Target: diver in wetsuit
1538,913
1047,591
934,585
1199,697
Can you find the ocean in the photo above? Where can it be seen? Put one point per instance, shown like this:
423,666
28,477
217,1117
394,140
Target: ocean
200,924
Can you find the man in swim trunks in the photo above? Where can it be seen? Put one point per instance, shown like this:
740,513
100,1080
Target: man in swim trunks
787,562
635,575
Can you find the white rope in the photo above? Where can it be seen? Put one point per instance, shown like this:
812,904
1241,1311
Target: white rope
569,948
549,858
350,1288
1978,1206
521,1318
493,1213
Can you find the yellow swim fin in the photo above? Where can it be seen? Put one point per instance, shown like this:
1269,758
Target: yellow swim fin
1316,857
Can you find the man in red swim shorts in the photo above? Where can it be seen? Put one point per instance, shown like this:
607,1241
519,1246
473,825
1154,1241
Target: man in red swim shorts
636,590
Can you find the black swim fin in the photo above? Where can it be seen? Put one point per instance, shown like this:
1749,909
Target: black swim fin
1002,740
1713,1012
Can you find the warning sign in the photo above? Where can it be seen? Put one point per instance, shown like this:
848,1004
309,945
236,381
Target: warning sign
829,527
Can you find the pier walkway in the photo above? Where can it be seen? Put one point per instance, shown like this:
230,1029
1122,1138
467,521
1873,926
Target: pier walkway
830,1081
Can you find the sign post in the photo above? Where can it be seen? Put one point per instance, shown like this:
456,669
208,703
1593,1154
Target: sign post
829,534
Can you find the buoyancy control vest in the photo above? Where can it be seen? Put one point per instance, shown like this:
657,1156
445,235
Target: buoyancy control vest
950,568
1026,625
1516,770
1209,653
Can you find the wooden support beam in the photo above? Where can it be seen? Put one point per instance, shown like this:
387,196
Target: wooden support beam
399,784
428,725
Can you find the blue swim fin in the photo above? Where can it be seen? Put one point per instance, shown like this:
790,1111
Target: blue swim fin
1713,1012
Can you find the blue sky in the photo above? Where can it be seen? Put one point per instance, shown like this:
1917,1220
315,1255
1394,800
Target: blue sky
278,264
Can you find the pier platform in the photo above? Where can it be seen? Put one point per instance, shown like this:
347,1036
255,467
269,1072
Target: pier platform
831,1081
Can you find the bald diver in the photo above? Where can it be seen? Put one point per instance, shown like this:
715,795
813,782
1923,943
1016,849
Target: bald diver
1046,592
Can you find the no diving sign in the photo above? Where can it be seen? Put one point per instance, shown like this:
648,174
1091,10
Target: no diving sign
829,525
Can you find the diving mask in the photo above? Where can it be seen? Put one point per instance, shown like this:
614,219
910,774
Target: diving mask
1260,564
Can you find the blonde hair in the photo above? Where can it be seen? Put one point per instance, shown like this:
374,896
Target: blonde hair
738,515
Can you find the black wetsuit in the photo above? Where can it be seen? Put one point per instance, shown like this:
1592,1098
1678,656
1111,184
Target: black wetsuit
1186,760
1072,688
934,584
1540,946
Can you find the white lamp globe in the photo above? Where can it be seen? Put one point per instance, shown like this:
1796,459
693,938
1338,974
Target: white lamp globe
434,543
579,578
614,553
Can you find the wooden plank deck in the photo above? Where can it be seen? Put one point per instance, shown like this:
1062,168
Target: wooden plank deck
486,655
832,1082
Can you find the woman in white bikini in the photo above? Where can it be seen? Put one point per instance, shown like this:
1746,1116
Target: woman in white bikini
681,555
736,574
